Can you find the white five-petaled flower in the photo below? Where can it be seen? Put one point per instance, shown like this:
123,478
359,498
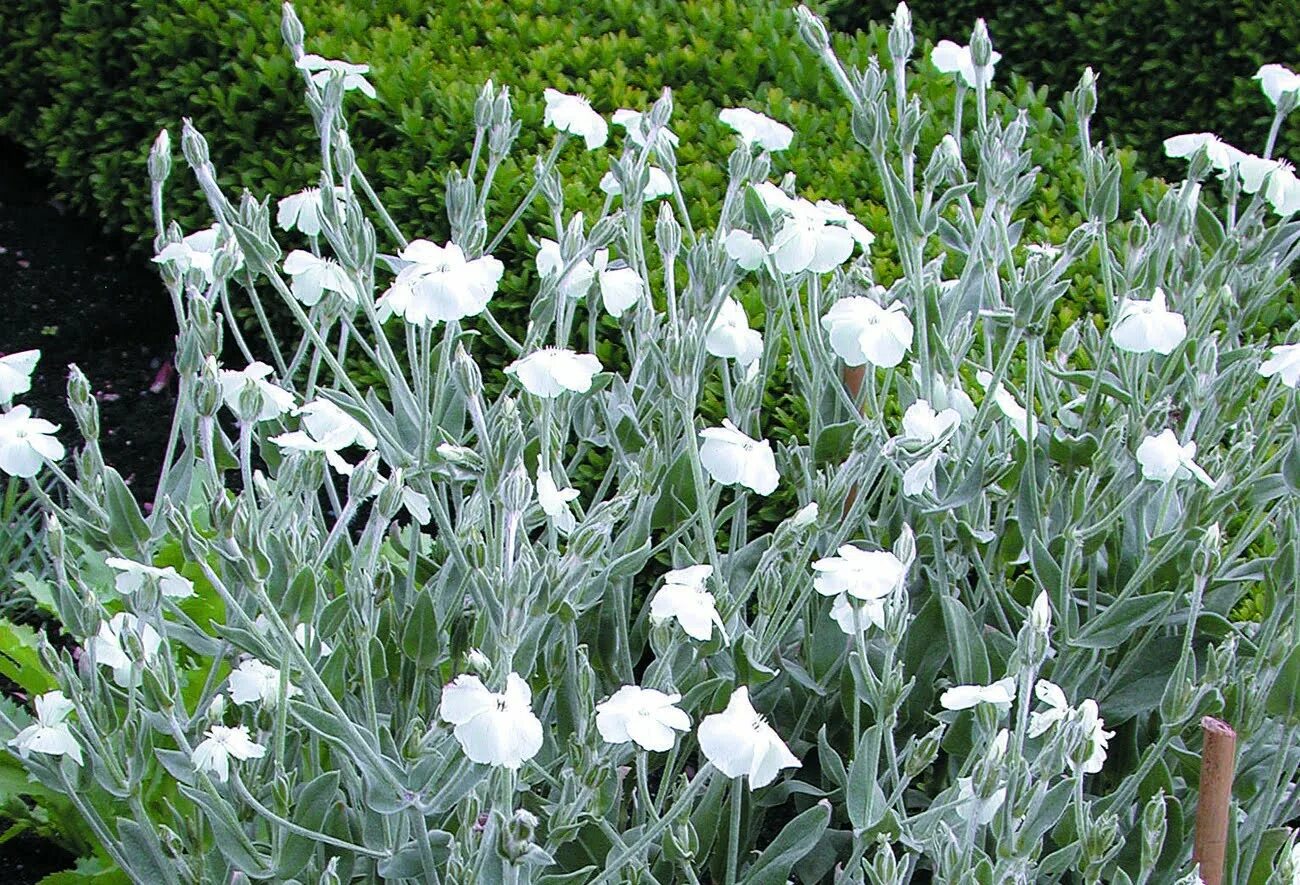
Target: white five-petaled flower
1277,80
198,252
745,249
918,478
1222,156
492,729
1024,424
1095,734
1276,177
635,122
272,400
1146,326
438,284
321,69
658,186
26,442
730,336
573,114
757,129
683,597
863,574
950,58
550,262
816,237
16,374
862,332
963,697
220,745
132,575
50,733
312,277
551,371
855,615
325,428
1284,363
1163,459
555,501
922,425
620,285
303,210
1058,708
731,457
254,682
109,646
740,743
644,716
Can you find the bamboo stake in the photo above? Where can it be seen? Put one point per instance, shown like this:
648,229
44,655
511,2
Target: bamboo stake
1213,806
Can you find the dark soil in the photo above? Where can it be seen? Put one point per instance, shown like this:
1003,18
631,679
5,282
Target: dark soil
28,859
73,293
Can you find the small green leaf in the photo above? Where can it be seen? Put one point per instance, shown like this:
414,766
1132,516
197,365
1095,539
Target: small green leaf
1121,620
795,840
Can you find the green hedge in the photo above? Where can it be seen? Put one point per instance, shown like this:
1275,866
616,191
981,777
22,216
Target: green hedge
1166,66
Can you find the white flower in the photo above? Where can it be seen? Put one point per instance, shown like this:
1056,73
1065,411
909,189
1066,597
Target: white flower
731,457
1094,731
730,336
866,575
1040,614
757,129
1284,363
1277,80
198,252
273,400
1222,155
26,442
659,185
551,371
551,263
1163,459
740,743
643,715
303,210
683,597
321,69
982,811
963,697
312,277
1145,326
214,753
745,249
1058,708
437,284
49,734
806,516
16,374
950,58
109,646
836,215
1044,250
555,501
325,428
918,478
635,123
855,616
303,634
923,425
862,332
620,285
132,576
573,114
254,682
1017,414
812,237
493,729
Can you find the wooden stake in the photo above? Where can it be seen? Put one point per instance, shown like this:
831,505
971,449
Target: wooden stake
1214,805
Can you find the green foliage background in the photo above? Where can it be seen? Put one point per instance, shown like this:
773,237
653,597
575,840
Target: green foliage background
1165,66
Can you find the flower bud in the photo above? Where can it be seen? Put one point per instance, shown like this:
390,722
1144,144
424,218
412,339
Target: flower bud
1208,553
364,481
345,158
662,110
160,158
502,112
82,403
738,165
466,373
884,866
925,751
981,47
1099,840
391,495
901,41
812,30
477,662
945,160
682,842
668,233
292,31
905,547
807,516
1085,94
516,489
550,184
605,230
207,388
483,106
194,147
216,709
1153,830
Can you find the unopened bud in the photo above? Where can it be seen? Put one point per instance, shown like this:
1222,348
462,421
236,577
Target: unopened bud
884,866
812,30
901,41
207,388
924,753
1154,824
668,233
160,158
477,662
483,106
82,404
466,373
981,47
364,481
516,489
1085,94
194,147
291,30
